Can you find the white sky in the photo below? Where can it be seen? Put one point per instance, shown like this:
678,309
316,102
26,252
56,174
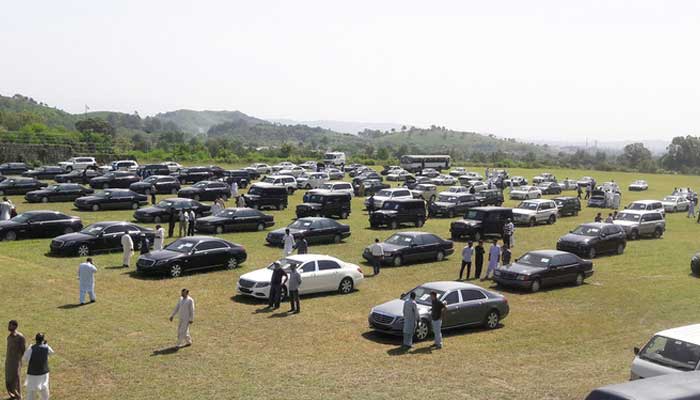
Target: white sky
607,69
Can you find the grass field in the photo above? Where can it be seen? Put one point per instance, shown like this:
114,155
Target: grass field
556,344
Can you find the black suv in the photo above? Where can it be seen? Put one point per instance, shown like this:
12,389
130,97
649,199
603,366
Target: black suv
20,186
395,212
262,195
193,175
326,204
161,184
206,190
449,204
481,222
114,179
153,169
589,240
568,205
490,197
240,176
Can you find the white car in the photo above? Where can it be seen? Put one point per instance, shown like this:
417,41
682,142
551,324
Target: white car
647,205
568,184
457,189
532,212
312,180
458,171
477,185
125,165
430,172
172,166
389,194
667,352
425,191
260,168
470,176
309,165
638,186
398,175
78,163
675,203
282,165
293,171
516,180
282,180
318,274
335,186
335,173
525,193
444,180
543,177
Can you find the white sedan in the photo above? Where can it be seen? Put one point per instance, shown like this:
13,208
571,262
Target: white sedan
675,203
638,185
398,175
319,273
444,180
525,193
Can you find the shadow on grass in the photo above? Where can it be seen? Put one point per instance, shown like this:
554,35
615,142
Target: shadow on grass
143,277
117,267
70,306
165,351
514,290
283,314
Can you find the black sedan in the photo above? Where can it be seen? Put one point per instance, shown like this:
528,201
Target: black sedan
111,199
549,188
161,211
589,240
161,184
13,168
193,174
206,190
39,224
58,192
114,179
235,219
313,229
406,247
190,254
48,172
77,176
20,186
99,237
537,269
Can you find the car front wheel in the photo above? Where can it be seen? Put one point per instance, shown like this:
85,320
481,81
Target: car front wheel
398,261
10,236
658,232
620,248
536,286
232,263
175,270
439,256
591,253
83,250
579,279
95,207
422,330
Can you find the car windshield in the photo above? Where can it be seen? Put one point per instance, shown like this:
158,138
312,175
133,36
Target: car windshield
535,260
384,193
226,213
109,175
672,353
104,193
423,295
255,190
151,179
639,206
181,245
93,230
586,230
391,205
53,187
328,186
165,204
285,263
301,224
400,240
474,214
314,198
528,205
21,218
446,198
200,185
269,179
456,189
624,216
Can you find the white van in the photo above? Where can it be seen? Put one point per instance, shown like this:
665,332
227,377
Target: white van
670,351
335,158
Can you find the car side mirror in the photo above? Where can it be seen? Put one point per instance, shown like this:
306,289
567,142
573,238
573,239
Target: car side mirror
636,351
402,295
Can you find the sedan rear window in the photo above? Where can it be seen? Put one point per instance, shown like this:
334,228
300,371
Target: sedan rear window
672,353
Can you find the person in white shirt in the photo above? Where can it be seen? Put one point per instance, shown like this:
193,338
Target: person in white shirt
182,225
127,249
86,276
289,243
377,253
37,359
494,258
467,253
192,223
5,209
159,238
616,200
410,318
234,191
241,202
185,312
216,207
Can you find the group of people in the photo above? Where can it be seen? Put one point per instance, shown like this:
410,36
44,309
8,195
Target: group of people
35,357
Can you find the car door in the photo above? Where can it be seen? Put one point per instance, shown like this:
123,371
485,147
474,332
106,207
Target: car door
472,309
413,251
569,268
608,240
209,254
309,281
429,247
111,238
47,225
246,219
328,275
453,313
556,271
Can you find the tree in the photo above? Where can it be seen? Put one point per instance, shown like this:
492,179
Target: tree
682,154
382,153
635,155
94,125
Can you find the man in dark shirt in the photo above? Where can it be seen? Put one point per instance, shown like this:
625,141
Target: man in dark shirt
153,195
171,222
478,259
370,204
302,246
598,218
279,278
437,312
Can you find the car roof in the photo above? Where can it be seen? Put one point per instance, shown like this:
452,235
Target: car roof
177,199
109,223
688,333
200,238
455,194
640,211
597,224
310,257
684,385
491,208
549,253
537,201
646,201
405,200
314,219
415,233
450,285
565,198
266,185
32,212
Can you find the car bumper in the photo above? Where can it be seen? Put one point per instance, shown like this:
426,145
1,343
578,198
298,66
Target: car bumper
259,293
513,282
145,217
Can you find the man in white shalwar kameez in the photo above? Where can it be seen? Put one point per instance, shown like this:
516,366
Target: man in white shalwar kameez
159,238
185,312
36,358
86,276
5,209
289,243
616,200
410,318
128,249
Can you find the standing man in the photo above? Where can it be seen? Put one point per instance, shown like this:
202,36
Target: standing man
240,202
437,312
302,246
16,346
234,191
128,249
616,200
293,286
5,209
185,311
588,192
182,226
153,195
192,222
86,277
145,245
598,218
370,204
278,279
478,259
159,238
37,359
505,258
288,242
171,222
508,231
691,209
578,191
609,219
494,258
377,252
466,259
410,319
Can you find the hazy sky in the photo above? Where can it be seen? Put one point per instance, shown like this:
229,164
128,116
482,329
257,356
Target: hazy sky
530,69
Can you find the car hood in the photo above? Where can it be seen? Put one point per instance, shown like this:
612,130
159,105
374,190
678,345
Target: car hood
395,308
469,222
76,236
572,238
522,269
8,224
313,206
443,204
158,255
385,212
259,275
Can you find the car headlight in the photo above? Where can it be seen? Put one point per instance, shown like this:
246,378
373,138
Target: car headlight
523,277
262,284
161,262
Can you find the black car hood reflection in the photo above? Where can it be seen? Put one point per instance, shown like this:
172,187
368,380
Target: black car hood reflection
158,255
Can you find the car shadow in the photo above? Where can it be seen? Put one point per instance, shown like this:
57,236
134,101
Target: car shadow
387,339
116,267
142,277
512,290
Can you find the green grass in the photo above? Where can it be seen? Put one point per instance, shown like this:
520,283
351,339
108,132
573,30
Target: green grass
556,344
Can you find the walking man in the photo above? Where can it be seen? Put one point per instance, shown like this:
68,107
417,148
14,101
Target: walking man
278,279
159,238
293,285
288,242
494,258
127,249
410,318
691,209
37,359
377,252
302,246
185,314
437,312
86,277
370,204
171,222
466,259
16,346
508,231
616,200
478,259
588,192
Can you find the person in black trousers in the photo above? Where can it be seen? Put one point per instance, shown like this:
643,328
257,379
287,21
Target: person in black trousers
478,259
171,222
153,195
276,283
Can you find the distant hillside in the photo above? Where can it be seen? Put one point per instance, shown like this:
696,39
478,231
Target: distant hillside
48,115
343,126
191,121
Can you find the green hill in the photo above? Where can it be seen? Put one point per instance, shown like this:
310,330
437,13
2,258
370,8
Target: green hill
191,121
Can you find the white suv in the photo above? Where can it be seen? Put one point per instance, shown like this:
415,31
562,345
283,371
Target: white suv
670,351
78,163
532,212
388,194
125,165
312,180
337,186
282,180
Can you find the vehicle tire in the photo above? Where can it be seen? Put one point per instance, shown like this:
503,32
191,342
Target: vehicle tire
344,215
1,192
196,197
68,230
393,225
422,330
539,195
499,204
658,233
157,219
95,207
575,213
69,169
532,222
346,285
260,227
420,222
620,248
219,229
579,279
451,214
84,250
397,261
536,286
173,191
44,199
279,207
591,253
10,236
232,263
439,256
307,187
337,239
634,235
175,270
134,206
552,219
493,318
